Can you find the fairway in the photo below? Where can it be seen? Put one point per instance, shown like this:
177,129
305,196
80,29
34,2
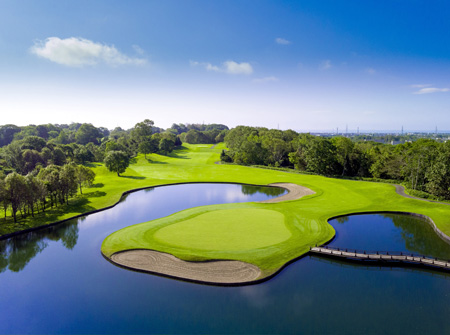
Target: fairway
267,235
227,230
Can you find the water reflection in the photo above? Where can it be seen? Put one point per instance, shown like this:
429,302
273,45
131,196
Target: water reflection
18,251
76,291
389,232
272,191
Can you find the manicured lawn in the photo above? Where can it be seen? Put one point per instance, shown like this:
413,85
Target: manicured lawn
227,230
238,231
235,231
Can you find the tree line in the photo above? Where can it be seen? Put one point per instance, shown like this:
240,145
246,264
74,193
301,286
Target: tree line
423,165
43,188
43,166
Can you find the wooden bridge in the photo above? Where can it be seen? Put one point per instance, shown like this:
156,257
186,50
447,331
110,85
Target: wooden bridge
382,257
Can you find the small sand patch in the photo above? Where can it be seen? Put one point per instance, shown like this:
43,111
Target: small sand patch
295,192
215,272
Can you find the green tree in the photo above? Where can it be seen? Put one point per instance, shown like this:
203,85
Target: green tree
58,157
438,173
31,159
4,197
87,133
117,161
142,131
166,146
33,142
145,148
13,156
320,156
15,186
7,133
51,179
196,137
83,155
84,176
344,150
68,182
417,156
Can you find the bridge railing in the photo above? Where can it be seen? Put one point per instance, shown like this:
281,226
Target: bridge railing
378,252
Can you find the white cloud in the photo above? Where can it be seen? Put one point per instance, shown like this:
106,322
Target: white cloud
229,67
78,52
370,70
427,90
265,80
238,68
282,41
138,49
211,67
420,85
325,65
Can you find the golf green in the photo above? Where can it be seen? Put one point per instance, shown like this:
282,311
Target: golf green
267,235
227,230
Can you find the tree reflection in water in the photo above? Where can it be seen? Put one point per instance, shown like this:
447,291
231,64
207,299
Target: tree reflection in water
18,251
267,190
420,237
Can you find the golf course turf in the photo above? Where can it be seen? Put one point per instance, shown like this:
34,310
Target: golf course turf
267,235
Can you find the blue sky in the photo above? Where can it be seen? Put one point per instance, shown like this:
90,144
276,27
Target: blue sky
304,65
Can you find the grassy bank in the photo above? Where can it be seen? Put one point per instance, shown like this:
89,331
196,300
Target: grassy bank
297,224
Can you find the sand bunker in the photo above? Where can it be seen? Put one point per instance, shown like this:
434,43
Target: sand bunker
217,272
213,272
295,192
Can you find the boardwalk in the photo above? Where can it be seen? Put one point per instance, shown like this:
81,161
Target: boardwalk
382,257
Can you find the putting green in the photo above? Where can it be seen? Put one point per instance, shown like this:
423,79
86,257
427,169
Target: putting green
244,231
227,230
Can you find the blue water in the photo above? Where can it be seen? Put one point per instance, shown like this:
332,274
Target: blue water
56,281
389,232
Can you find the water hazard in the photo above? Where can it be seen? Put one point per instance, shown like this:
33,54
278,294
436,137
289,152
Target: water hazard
56,281
389,232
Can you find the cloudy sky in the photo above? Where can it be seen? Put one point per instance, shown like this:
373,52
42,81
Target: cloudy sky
305,65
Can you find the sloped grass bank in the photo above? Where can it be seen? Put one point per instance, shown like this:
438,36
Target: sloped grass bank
305,219
188,236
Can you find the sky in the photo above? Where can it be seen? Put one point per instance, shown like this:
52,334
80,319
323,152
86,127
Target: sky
302,65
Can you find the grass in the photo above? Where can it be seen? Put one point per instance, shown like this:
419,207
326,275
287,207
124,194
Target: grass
241,231
234,231
227,230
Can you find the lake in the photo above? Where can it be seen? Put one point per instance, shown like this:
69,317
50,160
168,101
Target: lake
56,280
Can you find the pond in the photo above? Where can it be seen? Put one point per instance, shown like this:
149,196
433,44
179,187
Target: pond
56,281
389,232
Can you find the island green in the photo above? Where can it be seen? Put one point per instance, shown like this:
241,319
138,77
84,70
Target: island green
268,235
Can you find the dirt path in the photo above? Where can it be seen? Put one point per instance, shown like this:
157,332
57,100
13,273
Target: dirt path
216,272
295,192
401,190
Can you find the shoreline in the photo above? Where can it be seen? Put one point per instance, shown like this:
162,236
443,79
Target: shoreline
216,272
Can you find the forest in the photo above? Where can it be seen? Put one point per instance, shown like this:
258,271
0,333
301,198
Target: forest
43,166
423,166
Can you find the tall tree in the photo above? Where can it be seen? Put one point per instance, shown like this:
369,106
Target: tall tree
166,145
87,133
142,131
84,176
117,161
15,186
68,182
344,149
4,197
